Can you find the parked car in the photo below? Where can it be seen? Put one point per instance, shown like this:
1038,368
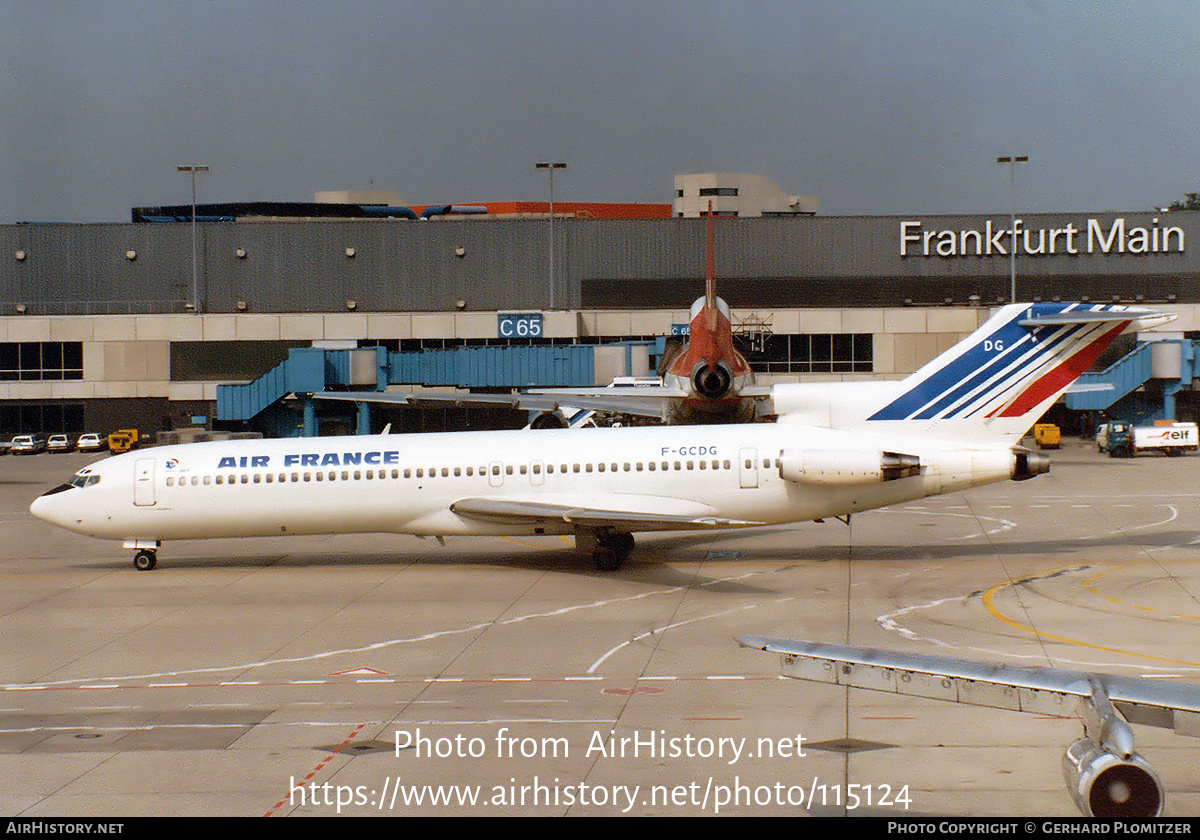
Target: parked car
92,442
27,444
59,443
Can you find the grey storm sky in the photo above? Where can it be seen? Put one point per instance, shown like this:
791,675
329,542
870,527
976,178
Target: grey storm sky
873,106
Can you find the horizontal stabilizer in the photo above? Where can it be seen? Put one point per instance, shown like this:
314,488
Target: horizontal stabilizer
1144,318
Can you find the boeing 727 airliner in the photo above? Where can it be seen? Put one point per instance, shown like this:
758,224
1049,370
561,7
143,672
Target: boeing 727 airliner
836,450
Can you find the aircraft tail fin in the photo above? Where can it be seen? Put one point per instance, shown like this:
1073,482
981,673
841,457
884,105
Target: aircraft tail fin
710,263
1006,374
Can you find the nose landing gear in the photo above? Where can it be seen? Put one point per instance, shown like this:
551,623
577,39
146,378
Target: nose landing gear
145,560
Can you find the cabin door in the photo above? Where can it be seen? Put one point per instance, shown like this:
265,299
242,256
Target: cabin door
748,468
143,482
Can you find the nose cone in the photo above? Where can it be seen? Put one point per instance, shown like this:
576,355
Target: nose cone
49,506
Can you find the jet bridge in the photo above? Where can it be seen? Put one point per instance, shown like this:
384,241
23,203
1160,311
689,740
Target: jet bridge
1169,362
309,370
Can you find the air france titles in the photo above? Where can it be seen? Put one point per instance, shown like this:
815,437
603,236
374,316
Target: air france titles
996,240
313,459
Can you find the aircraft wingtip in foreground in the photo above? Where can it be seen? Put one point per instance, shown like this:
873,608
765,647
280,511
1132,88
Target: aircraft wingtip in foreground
1103,774
835,450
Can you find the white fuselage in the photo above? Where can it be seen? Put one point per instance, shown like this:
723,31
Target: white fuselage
407,484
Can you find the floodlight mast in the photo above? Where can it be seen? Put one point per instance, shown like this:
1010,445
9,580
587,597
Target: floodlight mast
1012,161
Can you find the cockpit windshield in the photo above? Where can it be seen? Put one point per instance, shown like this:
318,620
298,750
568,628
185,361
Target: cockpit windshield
83,478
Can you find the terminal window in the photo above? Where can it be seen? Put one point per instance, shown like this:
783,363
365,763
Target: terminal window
34,361
814,353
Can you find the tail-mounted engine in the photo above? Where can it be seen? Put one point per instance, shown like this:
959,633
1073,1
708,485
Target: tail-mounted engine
1028,464
839,467
712,382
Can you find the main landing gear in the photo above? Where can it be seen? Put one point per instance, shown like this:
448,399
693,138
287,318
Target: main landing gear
145,560
609,549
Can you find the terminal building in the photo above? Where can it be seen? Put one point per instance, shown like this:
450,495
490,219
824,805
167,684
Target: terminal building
106,326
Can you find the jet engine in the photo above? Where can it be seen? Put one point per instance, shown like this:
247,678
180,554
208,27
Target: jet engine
712,382
1028,464
1104,784
550,420
840,467
1104,776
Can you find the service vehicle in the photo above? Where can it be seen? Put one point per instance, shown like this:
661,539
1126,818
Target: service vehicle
122,440
1047,435
1125,439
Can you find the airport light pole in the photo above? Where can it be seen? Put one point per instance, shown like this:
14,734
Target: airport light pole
550,167
1011,162
195,274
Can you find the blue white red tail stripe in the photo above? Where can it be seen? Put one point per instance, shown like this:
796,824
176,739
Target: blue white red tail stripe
1012,368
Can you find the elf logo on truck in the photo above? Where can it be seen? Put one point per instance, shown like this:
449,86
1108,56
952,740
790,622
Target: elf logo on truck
1171,434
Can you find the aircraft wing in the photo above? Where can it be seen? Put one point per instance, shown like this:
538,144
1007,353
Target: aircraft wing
1053,691
640,400
416,398
610,400
620,510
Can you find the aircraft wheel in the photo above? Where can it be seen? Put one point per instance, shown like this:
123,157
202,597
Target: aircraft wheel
606,559
145,560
